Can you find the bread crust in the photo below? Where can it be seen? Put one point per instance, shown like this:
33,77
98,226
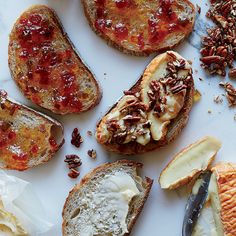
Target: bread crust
46,120
174,128
226,179
43,9
101,168
121,48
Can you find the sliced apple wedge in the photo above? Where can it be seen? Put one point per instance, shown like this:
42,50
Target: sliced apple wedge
189,163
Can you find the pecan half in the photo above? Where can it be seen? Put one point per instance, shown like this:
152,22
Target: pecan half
232,73
76,138
230,94
178,88
92,153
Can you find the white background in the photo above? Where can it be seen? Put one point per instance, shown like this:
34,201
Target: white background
163,212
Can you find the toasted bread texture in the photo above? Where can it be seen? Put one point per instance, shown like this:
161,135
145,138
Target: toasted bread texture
189,163
154,111
46,66
141,27
78,206
27,137
226,181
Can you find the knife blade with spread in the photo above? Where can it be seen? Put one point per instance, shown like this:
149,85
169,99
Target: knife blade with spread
195,203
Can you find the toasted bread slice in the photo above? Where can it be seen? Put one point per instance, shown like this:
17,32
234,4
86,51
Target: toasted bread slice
46,67
189,163
27,138
107,201
141,27
154,111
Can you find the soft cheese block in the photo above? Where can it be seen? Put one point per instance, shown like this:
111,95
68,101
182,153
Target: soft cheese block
189,162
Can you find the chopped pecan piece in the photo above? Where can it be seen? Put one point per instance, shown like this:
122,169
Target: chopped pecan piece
76,138
230,94
132,119
74,174
92,153
178,88
219,47
232,73
112,126
73,162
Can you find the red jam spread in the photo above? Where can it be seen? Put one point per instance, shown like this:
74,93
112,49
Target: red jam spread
20,143
52,66
142,24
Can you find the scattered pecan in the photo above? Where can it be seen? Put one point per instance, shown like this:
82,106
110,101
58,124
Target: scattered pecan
74,174
76,139
219,47
73,162
89,133
92,153
230,93
232,73
212,59
198,9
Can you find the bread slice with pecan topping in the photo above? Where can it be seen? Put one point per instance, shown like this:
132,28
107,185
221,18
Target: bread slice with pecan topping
27,137
46,66
141,27
107,201
154,111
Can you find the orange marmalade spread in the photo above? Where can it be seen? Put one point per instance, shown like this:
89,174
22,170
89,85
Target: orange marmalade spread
142,23
22,138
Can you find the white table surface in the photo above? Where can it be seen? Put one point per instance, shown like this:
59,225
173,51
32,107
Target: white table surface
116,72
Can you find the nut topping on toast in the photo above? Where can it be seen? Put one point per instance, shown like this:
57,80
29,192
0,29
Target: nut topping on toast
145,117
27,138
46,66
141,27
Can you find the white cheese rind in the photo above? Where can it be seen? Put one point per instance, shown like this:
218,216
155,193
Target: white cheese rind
189,162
